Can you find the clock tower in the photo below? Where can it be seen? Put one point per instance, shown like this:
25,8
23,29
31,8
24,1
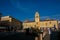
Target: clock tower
37,17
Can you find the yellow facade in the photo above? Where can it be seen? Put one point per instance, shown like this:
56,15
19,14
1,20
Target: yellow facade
40,23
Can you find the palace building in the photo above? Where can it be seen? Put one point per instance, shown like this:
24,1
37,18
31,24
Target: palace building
48,23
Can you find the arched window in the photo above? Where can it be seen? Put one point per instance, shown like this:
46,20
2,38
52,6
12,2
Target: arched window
46,24
50,22
36,16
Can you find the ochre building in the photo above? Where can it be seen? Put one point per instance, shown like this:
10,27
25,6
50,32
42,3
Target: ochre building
37,23
10,23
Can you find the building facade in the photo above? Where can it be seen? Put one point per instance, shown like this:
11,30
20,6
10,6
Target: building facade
11,23
40,23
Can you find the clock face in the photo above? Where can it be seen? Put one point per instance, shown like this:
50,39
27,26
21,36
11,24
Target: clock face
37,19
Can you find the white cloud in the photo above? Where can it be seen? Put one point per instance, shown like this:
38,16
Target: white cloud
55,17
44,17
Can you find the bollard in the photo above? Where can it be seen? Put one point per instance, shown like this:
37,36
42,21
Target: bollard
36,38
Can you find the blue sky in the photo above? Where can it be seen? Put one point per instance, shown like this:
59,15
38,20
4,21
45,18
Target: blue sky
25,9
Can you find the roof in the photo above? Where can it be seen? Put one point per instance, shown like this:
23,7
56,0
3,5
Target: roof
10,17
29,20
40,20
48,20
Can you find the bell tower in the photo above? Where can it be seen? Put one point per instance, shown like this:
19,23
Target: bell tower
37,17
